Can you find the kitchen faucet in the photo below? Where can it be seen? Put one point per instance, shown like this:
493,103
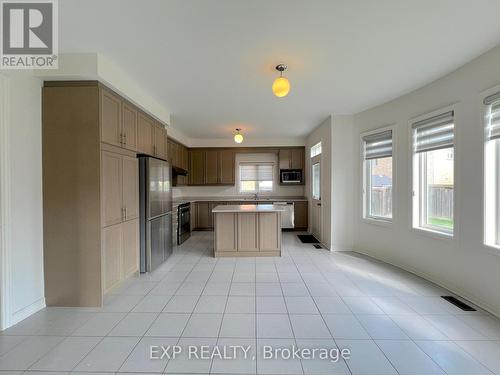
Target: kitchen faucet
256,196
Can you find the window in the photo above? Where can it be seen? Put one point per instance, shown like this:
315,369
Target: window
377,160
316,181
433,173
256,178
491,169
316,150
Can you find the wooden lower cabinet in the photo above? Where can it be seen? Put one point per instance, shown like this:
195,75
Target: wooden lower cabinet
130,248
225,237
112,261
203,215
120,247
300,215
248,223
269,231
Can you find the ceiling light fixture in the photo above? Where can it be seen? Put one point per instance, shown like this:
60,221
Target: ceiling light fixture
281,85
238,137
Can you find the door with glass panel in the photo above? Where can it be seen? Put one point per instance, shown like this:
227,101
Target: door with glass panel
316,197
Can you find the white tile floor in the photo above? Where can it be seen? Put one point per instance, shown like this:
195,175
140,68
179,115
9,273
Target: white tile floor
392,321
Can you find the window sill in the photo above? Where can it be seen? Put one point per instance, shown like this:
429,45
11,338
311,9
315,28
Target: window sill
435,233
379,222
492,248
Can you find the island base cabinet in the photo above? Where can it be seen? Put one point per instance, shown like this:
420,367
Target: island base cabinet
225,235
247,234
270,231
248,240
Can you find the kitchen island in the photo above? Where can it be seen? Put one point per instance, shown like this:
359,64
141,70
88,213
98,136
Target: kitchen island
247,230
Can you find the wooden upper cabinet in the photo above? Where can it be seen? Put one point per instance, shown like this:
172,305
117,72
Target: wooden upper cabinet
285,158
111,177
226,167
291,158
130,186
145,129
159,141
170,148
129,126
197,167
212,167
185,158
110,117
297,158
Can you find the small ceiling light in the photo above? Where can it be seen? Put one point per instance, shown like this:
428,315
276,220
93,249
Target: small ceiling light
238,137
281,85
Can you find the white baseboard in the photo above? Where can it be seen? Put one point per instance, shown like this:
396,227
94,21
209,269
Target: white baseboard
27,311
340,247
491,309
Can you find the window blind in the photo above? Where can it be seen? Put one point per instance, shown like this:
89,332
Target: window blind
434,133
378,145
493,117
256,172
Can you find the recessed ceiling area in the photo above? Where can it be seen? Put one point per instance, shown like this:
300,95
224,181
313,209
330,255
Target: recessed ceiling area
212,63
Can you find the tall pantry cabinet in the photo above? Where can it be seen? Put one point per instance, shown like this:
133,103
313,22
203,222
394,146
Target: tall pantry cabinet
90,190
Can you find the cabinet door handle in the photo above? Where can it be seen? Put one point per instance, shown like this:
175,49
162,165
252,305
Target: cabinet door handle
121,138
125,212
124,138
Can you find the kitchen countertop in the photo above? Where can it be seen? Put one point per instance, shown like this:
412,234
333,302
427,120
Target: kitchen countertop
182,200
248,208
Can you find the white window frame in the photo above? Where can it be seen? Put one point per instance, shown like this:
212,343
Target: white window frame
365,180
317,162
314,150
415,163
274,180
491,184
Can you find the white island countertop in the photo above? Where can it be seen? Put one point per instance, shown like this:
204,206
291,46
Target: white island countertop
248,208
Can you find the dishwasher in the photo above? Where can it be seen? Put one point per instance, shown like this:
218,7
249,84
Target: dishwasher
287,215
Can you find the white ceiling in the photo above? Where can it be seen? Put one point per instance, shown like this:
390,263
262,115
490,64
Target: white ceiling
211,62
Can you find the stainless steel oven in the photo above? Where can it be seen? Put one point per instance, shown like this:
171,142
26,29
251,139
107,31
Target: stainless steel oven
291,176
183,222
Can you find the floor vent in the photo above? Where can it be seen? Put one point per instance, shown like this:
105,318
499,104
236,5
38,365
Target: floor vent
318,246
458,303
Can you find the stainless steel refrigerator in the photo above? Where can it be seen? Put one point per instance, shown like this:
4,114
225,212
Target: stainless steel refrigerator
155,204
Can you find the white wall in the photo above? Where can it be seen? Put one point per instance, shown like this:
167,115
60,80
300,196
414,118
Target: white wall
94,66
323,134
462,264
247,142
232,191
342,187
22,240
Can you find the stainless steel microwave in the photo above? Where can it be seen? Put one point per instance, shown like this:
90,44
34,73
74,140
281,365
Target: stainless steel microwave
291,176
